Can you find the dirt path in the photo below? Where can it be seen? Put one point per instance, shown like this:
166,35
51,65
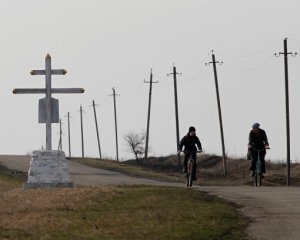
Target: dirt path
275,211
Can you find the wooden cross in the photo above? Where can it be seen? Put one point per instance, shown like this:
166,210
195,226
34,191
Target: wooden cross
48,106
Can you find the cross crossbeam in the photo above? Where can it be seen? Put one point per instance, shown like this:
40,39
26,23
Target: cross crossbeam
43,90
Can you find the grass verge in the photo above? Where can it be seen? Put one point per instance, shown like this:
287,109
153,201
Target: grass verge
140,212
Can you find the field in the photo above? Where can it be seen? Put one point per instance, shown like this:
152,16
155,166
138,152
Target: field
121,212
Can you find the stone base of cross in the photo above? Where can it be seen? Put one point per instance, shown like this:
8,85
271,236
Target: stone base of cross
48,168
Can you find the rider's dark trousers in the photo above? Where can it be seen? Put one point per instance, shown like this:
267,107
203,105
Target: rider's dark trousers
254,158
186,158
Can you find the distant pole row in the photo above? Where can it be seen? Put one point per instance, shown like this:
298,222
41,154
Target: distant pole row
49,109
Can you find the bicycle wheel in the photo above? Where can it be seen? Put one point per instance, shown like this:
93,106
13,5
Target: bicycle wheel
189,173
188,179
257,180
258,174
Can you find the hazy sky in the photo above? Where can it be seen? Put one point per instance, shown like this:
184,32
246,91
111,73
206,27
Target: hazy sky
115,43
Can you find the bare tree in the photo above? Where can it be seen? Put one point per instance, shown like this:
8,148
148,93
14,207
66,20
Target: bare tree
135,143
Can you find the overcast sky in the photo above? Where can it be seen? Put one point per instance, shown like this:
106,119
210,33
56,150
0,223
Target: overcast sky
115,43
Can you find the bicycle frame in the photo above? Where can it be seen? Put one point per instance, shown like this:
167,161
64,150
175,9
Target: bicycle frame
190,172
257,171
190,169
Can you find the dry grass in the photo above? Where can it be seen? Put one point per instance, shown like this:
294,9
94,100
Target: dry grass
210,170
138,212
123,167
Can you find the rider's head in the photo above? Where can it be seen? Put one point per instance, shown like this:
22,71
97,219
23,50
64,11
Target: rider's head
192,131
255,127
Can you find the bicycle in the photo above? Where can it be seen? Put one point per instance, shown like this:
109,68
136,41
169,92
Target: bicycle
190,171
257,170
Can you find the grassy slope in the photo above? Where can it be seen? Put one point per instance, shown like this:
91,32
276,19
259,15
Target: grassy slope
210,170
117,213
140,212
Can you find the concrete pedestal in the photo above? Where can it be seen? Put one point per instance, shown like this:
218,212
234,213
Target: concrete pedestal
48,169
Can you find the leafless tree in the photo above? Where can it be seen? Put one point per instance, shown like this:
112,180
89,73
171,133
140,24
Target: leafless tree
135,143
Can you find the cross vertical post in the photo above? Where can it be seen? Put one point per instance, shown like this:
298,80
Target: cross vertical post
48,103
149,112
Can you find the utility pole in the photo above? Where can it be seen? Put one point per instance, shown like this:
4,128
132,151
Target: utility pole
149,111
81,124
175,73
219,110
116,124
97,131
69,134
286,53
60,136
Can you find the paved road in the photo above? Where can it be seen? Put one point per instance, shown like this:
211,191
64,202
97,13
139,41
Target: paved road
275,211
84,175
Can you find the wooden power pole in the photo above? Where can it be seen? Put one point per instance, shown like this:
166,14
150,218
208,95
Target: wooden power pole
97,130
175,73
81,127
149,111
219,111
116,122
69,134
286,71
60,136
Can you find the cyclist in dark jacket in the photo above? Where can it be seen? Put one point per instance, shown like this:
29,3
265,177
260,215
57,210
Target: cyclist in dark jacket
258,140
189,142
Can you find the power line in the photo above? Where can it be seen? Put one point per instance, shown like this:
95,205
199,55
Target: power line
250,54
238,71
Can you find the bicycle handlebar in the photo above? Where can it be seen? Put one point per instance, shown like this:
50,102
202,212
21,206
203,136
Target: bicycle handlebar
198,151
260,150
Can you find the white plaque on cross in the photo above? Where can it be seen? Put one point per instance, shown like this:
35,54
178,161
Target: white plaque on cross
48,106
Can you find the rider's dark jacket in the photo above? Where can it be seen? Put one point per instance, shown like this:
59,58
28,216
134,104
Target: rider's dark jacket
258,140
189,142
